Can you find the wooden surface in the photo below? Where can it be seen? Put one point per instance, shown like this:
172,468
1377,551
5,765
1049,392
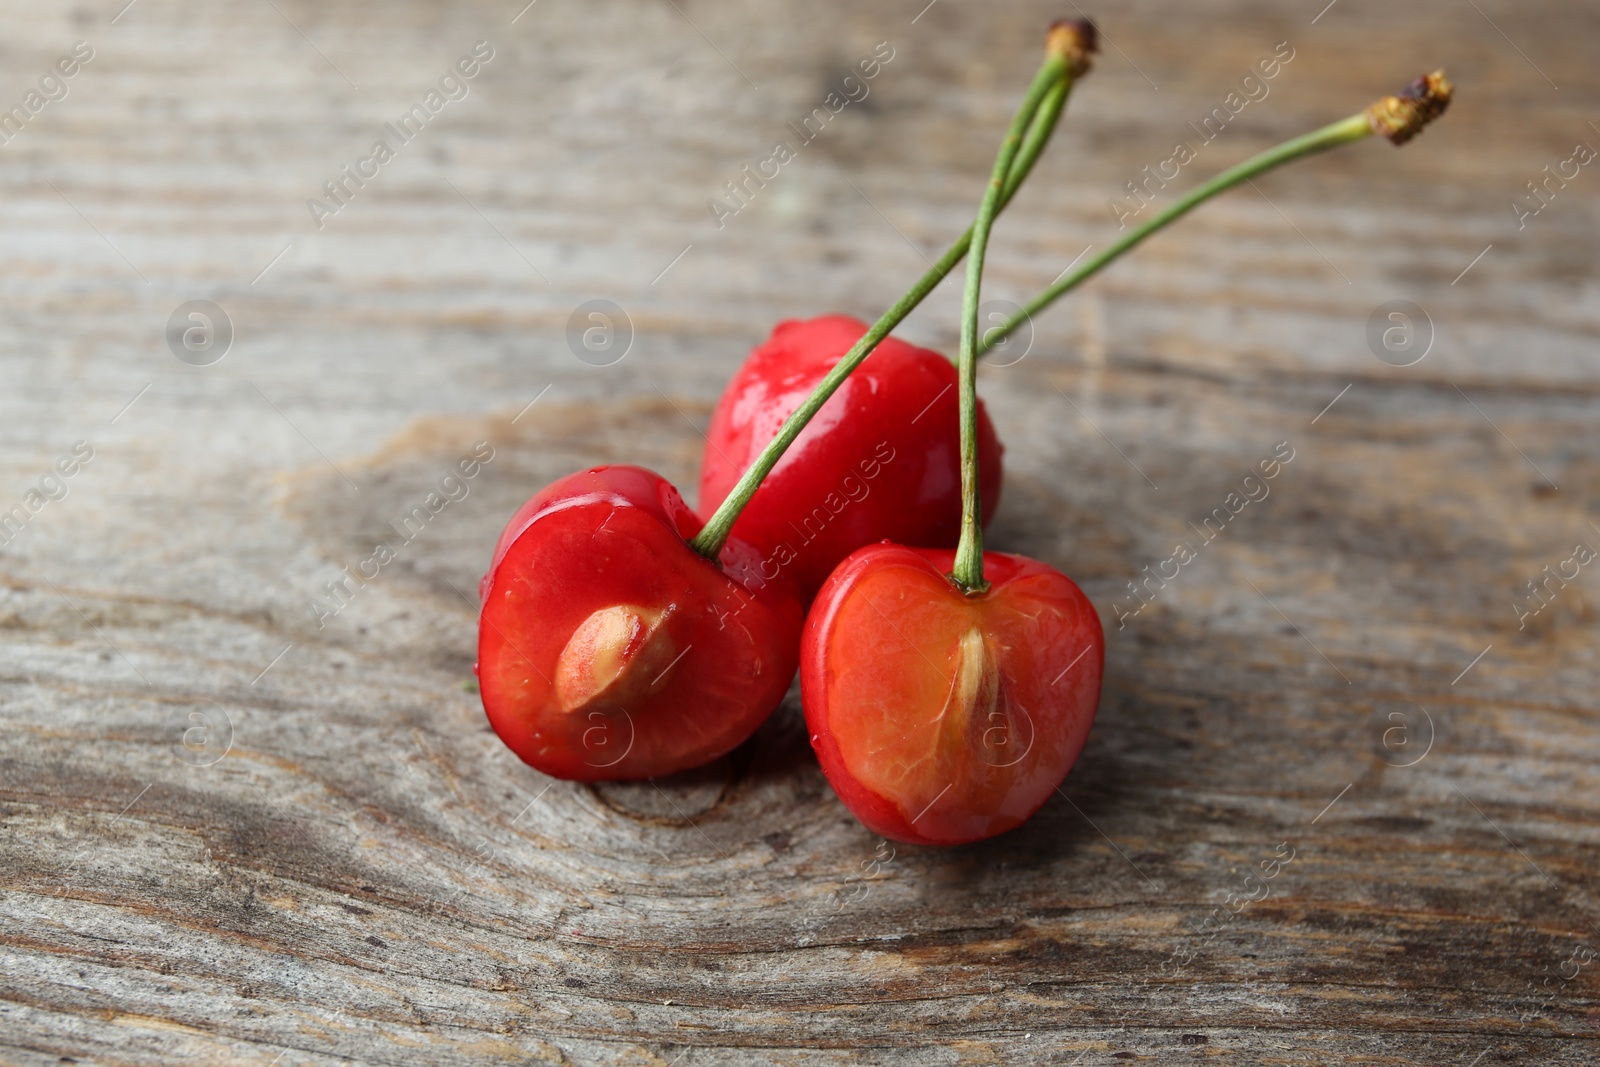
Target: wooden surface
230,836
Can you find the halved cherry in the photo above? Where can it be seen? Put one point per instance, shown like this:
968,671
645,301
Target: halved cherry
608,648
941,717
882,459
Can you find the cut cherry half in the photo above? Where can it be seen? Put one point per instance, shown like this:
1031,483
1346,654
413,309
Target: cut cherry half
608,648
942,717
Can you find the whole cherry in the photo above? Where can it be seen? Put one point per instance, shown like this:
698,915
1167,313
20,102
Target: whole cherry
609,648
881,459
890,436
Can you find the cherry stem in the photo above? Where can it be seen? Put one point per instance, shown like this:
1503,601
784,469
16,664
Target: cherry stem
968,570
1354,128
1039,112
1397,118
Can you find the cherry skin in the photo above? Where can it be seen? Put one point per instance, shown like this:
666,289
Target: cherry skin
608,648
941,718
882,459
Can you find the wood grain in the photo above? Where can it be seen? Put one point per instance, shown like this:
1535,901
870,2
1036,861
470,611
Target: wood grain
231,836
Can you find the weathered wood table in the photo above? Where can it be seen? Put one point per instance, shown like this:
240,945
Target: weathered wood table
1341,802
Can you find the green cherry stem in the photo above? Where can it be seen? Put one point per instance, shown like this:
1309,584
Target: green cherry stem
1067,58
968,570
1398,118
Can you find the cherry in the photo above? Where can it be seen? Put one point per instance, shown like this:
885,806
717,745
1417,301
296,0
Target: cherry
608,648
942,717
768,408
945,707
881,459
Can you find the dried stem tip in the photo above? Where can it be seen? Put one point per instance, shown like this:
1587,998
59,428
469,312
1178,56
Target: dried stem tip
1075,40
1402,117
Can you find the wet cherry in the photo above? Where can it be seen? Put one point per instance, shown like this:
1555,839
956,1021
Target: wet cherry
942,717
880,460
608,648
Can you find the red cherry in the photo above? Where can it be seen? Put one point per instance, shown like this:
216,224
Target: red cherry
882,459
942,718
609,649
